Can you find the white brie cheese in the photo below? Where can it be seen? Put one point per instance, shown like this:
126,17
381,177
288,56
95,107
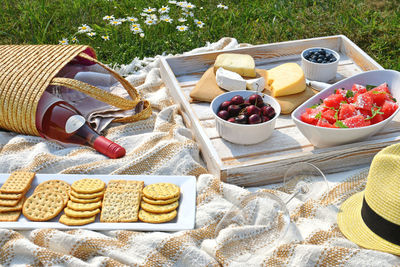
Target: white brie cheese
256,84
230,80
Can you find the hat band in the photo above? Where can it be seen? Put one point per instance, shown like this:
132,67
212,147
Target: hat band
379,225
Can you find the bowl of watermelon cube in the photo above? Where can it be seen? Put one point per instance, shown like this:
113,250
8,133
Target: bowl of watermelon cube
350,110
245,117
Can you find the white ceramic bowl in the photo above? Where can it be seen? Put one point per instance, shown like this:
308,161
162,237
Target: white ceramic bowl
323,137
244,134
322,72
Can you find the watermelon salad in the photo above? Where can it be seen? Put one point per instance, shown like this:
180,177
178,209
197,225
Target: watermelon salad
351,108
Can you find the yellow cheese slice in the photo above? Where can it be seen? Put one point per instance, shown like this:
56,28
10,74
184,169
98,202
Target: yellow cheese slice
286,79
242,64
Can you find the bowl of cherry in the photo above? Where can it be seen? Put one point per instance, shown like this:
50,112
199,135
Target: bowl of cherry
245,117
319,63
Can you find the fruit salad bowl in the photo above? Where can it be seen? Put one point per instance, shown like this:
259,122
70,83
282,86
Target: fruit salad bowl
325,137
256,129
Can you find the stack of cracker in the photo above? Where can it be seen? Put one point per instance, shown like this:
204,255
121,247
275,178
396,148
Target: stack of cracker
121,201
47,201
159,203
85,202
12,195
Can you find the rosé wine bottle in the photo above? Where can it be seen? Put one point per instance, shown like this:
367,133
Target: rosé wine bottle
60,121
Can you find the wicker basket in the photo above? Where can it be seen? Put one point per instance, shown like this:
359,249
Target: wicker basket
27,70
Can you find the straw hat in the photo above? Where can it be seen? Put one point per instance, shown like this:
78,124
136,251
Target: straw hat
371,218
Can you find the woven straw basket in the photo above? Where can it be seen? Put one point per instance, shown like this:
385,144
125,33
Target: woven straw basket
27,70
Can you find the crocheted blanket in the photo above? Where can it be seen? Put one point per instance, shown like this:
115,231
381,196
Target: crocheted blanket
225,233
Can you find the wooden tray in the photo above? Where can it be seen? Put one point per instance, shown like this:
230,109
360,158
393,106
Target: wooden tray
266,162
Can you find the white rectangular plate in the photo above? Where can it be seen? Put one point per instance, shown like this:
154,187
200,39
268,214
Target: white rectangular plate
184,220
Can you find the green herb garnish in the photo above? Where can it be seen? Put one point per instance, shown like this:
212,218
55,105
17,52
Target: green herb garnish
370,87
374,113
318,116
378,92
335,91
349,93
340,124
394,99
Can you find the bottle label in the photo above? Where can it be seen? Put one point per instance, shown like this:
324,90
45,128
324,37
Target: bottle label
74,123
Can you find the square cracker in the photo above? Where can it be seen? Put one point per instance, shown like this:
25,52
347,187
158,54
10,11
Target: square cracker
17,182
18,206
10,216
120,206
125,185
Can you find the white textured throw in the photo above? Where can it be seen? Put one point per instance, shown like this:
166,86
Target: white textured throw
234,225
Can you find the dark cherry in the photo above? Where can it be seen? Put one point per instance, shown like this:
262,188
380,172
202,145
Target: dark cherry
224,105
232,119
268,111
265,118
246,103
255,99
223,114
234,110
237,100
254,119
250,110
241,119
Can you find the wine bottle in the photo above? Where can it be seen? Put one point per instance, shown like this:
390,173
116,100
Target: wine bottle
60,121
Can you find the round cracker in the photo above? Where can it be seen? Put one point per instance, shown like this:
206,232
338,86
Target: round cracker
80,214
86,196
159,208
64,219
59,186
88,185
84,200
159,202
83,206
161,191
43,206
149,217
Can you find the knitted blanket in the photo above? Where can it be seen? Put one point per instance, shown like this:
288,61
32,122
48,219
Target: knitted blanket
225,233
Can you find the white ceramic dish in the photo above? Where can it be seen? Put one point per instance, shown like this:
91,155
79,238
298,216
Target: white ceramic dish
322,72
184,220
323,137
244,134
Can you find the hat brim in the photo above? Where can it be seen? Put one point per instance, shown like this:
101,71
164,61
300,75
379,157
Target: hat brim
353,227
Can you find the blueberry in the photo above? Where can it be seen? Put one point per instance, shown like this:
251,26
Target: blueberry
322,52
319,60
332,59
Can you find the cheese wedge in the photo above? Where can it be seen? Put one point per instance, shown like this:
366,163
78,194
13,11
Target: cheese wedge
230,80
286,79
242,64
256,84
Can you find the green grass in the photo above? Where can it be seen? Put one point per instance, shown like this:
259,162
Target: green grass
373,25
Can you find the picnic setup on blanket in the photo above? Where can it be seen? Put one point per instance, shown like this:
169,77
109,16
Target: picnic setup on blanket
232,154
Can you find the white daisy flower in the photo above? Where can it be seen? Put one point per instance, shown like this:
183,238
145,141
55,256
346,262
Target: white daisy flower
181,19
135,25
222,6
149,10
182,28
91,34
181,4
74,40
188,14
166,18
141,34
163,9
122,19
150,21
199,23
115,22
190,6
172,2
64,41
84,28
132,19
201,7
144,14
105,37
108,17
136,30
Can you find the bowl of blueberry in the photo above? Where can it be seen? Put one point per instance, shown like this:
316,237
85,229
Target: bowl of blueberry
245,117
319,63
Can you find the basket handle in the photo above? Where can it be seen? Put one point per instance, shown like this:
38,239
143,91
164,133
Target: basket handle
106,97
